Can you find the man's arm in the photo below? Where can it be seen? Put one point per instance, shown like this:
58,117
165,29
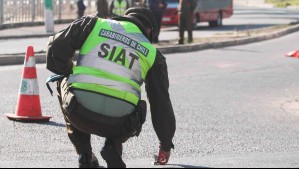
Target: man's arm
62,46
163,118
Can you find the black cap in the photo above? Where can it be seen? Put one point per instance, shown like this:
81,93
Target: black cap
146,17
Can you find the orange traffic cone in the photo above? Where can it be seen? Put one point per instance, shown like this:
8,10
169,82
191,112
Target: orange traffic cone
29,107
293,54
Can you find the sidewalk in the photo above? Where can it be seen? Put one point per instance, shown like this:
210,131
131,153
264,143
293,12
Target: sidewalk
253,3
29,32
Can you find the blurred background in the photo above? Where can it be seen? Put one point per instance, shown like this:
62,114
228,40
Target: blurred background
14,11
32,11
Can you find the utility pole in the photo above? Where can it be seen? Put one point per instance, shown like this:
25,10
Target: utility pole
33,10
49,17
1,12
59,9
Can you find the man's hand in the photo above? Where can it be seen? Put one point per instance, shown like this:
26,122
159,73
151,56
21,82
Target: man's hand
163,157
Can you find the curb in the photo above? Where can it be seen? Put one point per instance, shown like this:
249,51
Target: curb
26,36
14,59
236,42
31,24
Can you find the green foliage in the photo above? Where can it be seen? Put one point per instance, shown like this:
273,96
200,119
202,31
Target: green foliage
283,3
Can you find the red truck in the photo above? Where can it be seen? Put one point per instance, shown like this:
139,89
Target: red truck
212,11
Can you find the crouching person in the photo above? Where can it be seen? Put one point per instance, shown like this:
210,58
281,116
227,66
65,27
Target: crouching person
101,95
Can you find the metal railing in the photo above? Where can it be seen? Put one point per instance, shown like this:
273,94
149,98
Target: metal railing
19,11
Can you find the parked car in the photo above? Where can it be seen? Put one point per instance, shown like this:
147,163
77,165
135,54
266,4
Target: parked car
212,11
170,16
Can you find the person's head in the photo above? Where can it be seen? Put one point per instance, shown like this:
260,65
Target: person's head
146,18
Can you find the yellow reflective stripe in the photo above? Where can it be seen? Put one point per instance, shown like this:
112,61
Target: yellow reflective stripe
147,62
130,28
119,8
144,66
103,74
94,39
107,91
83,78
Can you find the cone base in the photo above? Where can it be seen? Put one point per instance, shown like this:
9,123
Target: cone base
293,54
14,117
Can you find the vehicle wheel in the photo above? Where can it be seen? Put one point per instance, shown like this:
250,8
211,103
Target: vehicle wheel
218,22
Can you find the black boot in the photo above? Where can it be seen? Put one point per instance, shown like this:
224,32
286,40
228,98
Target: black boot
112,156
88,161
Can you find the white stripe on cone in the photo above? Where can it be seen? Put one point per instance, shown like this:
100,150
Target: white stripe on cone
29,87
30,62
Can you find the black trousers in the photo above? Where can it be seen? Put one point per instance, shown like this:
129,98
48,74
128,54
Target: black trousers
185,23
81,123
80,128
158,18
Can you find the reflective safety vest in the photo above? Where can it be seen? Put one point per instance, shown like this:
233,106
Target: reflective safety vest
114,61
119,7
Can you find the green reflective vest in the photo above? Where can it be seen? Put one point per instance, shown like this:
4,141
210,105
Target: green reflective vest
119,7
114,61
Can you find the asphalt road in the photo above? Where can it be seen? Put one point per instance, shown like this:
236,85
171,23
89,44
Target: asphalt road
235,107
244,18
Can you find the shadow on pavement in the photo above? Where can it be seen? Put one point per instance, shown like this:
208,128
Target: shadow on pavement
254,11
52,123
234,27
46,123
185,166
238,27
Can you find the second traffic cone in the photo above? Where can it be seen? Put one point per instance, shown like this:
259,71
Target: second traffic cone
293,54
29,107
